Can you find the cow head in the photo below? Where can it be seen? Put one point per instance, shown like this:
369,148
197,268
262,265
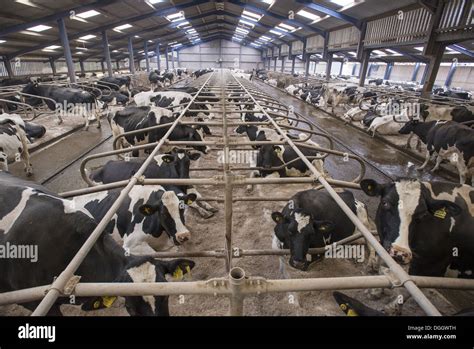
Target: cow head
298,231
182,159
270,156
144,269
170,210
404,205
197,135
409,127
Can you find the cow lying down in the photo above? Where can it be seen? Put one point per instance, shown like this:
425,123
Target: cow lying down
14,141
312,219
60,230
171,165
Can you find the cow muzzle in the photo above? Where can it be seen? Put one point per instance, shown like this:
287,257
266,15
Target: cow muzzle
182,237
400,254
300,265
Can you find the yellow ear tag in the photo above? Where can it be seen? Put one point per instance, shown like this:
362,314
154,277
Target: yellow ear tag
351,312
188,270
178,274
277,218
369,187
189,202
107,301
441,213
147,210
343,307
96,304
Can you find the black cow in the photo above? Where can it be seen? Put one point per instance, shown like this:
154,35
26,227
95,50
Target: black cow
117,83
60,230
313,219
67,99
446,141
114,98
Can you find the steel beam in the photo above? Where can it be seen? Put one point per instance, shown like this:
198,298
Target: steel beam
105,43
330,12
67,49
147,57
166,58
328,66
452,71
416,69
53,66
157,53
131,58
363,67
8,66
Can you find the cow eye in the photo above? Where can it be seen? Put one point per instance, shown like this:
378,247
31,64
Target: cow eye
385,204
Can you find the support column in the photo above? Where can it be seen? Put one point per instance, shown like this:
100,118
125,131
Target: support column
67,50
131,59
282,64
364,66
53,66
177,58
415,71
432,69
105,43
8,66
166,58
275,64
157,53
388,71
354,67
102,66
328,66
293,62
315,65
452,70
172,58
118,66
269,63
147,58
340,68
81,64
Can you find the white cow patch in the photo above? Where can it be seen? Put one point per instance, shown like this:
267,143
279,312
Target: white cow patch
302,220
144,273
409,193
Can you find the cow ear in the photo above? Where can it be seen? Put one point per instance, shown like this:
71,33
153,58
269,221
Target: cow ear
167,158
371,187
277,148
189,199
194,156
442,208
278,217
177,267
324,226
148,210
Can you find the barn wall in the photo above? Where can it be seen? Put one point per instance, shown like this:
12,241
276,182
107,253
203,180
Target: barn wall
233,55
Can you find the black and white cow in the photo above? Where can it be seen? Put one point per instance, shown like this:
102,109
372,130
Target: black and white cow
117,83
60,230
426,224
173,165
312,219
67,100
136,118
277,155
155,79
14,142
431,112
114,98
446,140
149,216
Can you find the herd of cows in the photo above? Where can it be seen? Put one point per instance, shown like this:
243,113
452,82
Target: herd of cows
419,223
446,130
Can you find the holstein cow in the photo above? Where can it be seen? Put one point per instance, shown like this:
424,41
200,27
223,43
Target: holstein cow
117,83
60,230
312,219
446,140
13,142
173,165
353,307
431,112
136,118
149,216
67,100
427,225
114,98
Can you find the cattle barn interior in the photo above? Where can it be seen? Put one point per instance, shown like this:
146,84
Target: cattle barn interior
213,158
